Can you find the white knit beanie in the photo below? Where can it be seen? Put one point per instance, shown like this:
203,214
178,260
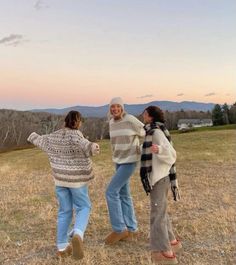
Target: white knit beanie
118,101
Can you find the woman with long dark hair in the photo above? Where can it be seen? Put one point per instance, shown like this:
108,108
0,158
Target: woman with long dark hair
157,172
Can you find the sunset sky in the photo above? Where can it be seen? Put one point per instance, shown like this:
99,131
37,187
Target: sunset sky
61,53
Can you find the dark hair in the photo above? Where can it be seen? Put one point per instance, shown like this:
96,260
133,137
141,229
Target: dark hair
156,113
72,119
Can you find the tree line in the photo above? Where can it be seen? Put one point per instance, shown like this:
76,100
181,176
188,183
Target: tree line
222,115
15,126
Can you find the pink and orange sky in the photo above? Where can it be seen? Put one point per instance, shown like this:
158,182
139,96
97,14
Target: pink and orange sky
65,53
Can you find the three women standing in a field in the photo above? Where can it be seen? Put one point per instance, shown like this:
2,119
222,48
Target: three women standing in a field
69,155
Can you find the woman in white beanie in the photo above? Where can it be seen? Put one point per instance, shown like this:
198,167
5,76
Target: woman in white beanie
125,131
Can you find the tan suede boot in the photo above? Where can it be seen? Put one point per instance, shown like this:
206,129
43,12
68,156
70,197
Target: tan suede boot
77,247
65,253
114,237
132,236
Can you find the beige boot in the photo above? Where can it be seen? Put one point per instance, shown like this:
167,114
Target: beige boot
77,247
64,253
132,236
114,237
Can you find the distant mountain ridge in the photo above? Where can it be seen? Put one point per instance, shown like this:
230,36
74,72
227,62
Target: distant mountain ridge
135,109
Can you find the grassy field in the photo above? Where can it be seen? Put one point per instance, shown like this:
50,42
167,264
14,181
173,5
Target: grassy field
212,128
204,219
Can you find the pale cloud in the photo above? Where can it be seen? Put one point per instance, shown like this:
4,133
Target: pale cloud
40,4
180,94
210,94
13,40
146,96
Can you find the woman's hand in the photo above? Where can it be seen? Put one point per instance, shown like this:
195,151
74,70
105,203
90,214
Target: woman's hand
95,149
155,149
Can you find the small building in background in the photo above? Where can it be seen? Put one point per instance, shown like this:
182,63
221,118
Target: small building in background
185,124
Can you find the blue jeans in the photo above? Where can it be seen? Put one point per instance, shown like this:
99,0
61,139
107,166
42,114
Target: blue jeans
119,200
68,199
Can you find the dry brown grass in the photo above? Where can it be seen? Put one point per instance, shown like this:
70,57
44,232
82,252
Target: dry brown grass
204,219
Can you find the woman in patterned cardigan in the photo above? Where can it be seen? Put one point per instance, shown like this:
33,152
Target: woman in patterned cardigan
69,155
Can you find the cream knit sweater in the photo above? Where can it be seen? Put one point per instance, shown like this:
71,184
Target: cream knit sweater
124,137
69,156
164,159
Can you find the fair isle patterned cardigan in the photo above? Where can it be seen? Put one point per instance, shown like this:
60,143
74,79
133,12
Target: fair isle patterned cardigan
69,156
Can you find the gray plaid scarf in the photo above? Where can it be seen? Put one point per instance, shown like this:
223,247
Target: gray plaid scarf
146,160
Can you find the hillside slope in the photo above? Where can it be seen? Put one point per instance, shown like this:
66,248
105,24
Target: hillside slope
204,219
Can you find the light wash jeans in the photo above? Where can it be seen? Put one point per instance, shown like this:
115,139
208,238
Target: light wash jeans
119,200
68,199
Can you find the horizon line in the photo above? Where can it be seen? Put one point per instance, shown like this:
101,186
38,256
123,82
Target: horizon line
135,104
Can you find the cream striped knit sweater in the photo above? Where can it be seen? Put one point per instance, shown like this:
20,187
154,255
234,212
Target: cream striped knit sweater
69,155
124,137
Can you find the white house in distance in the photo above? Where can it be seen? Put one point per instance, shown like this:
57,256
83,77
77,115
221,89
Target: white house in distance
185,124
